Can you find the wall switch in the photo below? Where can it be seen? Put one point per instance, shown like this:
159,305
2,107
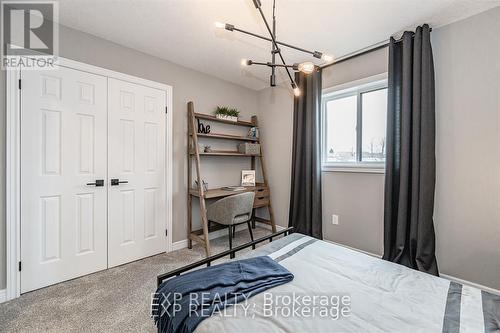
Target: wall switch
335,219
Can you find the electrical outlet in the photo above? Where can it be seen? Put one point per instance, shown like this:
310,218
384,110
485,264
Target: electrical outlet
335,219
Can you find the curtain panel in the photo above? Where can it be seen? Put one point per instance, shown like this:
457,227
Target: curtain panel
305,201
409,237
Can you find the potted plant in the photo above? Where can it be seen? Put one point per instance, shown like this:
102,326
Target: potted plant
227,113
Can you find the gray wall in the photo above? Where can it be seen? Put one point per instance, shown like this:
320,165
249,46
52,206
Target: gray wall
206,91
370,64
276,121
467,207
357,198
467,210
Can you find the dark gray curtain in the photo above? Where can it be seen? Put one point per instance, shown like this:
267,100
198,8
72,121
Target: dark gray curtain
410,168
305,200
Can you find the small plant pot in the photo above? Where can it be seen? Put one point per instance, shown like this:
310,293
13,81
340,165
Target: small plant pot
224,117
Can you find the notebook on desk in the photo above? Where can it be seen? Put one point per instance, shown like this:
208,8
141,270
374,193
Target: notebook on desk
232,188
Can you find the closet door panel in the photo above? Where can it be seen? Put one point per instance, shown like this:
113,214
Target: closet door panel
136,211
63,148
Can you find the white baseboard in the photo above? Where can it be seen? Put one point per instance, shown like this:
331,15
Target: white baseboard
469,283
354,249
179,245
444,276
3,295
222,232
268,227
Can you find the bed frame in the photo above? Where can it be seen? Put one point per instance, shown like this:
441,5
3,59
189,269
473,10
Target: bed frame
231,253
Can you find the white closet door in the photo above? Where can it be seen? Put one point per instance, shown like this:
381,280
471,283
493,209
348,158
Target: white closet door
137,204
63,147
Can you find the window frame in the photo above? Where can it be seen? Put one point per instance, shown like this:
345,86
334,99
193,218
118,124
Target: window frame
354,88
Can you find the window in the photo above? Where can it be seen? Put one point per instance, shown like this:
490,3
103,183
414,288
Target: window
355,125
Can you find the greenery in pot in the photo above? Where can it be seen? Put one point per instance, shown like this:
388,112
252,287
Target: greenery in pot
225,112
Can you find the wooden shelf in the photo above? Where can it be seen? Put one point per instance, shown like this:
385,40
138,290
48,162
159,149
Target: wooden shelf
227,153
212,118
227,136
220,193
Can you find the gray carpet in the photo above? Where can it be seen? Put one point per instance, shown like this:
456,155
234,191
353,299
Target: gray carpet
114,300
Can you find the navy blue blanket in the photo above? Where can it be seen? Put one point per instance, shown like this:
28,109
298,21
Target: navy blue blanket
181,303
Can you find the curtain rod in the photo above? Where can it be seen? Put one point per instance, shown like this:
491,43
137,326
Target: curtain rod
359,53
371,48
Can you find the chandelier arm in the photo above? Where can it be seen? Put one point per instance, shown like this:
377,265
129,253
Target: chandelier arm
270,64
280,65
294,85
315,54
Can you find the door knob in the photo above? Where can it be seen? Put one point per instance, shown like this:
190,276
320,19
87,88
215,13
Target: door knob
116,181
97,183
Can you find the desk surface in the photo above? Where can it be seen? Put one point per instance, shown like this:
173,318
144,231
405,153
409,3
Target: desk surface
219,192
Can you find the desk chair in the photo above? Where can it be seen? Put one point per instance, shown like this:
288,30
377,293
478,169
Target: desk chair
231,211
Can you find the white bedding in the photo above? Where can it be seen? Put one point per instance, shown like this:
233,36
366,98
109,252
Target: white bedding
384,297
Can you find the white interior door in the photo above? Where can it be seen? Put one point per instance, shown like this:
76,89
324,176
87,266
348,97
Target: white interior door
137,204
63,148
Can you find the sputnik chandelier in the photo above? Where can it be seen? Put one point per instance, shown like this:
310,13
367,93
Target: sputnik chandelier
306,67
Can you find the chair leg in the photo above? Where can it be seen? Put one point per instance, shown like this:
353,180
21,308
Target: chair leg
234,231
231,240
249,224
250,229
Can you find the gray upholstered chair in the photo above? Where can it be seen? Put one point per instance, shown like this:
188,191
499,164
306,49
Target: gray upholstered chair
231,211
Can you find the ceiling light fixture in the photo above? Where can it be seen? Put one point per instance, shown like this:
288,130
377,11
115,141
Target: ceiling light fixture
306,67
246,62
219,25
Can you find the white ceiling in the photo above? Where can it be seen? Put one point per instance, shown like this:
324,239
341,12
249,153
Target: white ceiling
183,31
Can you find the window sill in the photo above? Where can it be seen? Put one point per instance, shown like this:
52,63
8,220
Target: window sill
378,169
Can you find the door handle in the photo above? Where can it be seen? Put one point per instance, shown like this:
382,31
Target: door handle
116,181
97,183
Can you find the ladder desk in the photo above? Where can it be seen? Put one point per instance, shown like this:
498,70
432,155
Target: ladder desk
262,192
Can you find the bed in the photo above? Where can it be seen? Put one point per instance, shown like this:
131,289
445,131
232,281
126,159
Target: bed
379,296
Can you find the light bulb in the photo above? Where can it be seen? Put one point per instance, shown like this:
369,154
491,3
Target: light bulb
220,25
296,91
327,58
246,62
306,67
